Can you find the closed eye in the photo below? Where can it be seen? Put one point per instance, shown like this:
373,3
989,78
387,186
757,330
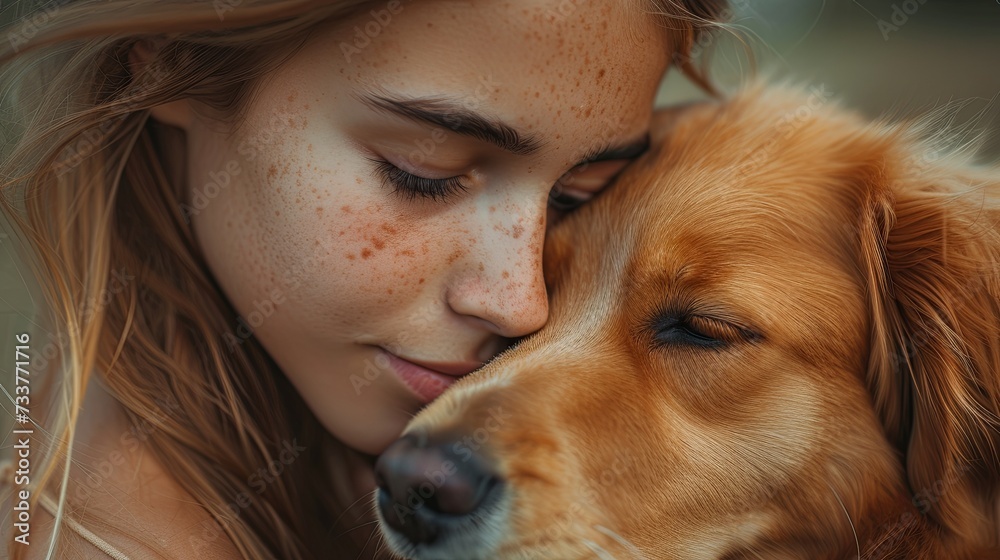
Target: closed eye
410,186
690,330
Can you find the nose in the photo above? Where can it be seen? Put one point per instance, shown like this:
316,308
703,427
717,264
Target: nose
501,280
428,490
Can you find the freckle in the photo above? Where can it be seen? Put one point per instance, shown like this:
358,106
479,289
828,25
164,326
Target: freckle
506,274
345,209
493,209
481,267
306,106
292,96
351,256
517,231
319,209
277,212
378,243
587,112
310,146
388,228
272,172
389,291
421,281
600,73
365,253
341,234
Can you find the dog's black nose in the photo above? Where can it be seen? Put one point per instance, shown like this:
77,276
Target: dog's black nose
426,488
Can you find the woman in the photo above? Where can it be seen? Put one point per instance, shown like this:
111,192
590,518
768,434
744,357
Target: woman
269,232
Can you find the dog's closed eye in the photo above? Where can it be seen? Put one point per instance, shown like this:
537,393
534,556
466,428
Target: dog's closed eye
683,329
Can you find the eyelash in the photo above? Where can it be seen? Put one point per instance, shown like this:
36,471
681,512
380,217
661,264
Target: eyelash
412,186
698,331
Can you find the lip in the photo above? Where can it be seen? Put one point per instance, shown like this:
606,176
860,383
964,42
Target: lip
428,379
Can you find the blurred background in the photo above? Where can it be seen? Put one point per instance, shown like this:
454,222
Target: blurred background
896,58
880,56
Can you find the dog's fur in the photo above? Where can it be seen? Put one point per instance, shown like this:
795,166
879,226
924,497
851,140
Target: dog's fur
848,274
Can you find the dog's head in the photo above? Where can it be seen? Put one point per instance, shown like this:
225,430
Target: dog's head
776,336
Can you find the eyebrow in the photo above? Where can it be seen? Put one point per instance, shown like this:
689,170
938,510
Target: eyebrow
451,115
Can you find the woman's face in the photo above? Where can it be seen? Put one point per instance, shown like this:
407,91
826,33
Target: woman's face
388,194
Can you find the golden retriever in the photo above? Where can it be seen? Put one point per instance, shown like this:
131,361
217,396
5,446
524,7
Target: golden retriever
777,335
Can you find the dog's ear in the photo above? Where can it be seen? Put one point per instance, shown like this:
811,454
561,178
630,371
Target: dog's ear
931,254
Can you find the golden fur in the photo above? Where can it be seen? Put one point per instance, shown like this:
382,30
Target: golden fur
848,274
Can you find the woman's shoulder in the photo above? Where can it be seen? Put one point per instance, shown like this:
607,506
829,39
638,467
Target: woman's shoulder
153,519
121,497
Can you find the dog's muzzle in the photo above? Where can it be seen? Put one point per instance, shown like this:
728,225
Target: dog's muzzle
436,494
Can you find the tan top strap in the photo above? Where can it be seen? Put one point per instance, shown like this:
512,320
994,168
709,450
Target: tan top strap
7,471
84,532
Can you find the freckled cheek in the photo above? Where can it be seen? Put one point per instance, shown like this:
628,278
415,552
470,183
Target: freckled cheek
391,259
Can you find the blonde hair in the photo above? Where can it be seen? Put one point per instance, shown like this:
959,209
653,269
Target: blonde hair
126,289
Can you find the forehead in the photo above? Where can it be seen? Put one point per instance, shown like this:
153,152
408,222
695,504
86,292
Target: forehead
539,65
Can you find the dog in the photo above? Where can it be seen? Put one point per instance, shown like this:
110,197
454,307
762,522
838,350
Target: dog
776,335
